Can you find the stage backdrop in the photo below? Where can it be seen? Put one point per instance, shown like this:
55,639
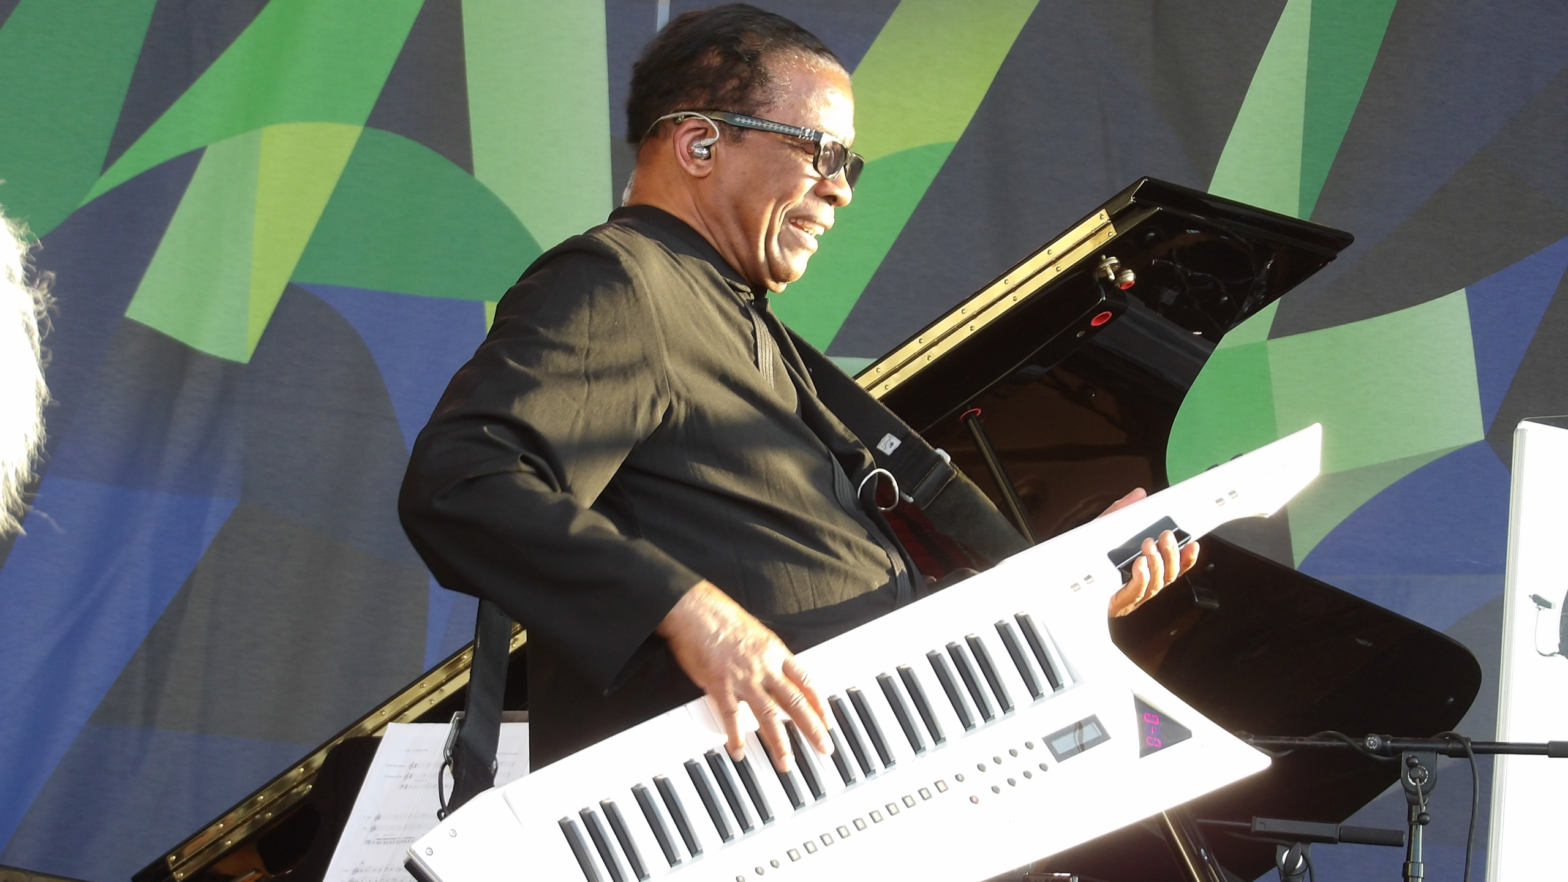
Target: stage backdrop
276,228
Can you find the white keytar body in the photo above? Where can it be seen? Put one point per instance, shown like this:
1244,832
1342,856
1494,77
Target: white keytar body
965,808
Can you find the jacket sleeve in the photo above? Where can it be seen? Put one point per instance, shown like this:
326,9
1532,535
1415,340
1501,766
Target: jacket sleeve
498,497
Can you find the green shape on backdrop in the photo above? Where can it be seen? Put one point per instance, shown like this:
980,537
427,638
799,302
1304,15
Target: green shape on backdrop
298,169
1228,410
66,67
1346,36
1393,393
1281,147
1389,387
1327,501
197,287
916,90
928,70
1261,162
405,219
1253,330
864,230
537,110
299,61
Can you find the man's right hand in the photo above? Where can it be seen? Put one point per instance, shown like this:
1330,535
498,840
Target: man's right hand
733,658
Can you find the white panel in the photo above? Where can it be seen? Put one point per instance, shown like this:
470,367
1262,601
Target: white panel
1532,700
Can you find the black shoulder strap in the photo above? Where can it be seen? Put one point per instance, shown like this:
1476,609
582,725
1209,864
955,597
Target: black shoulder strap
472,750
950,500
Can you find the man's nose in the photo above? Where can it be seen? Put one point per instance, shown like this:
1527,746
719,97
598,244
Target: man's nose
835,190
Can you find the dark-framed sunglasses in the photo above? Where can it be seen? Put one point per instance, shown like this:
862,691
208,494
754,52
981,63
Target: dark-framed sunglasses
832,156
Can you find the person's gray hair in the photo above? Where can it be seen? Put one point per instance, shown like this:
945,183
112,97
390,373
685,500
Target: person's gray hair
24,319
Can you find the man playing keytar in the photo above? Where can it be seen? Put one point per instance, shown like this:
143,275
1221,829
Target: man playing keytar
637,465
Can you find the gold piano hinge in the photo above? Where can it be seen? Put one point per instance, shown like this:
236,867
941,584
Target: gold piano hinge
283,792
995,301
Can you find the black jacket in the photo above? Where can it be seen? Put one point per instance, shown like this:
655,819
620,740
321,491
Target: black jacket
636,421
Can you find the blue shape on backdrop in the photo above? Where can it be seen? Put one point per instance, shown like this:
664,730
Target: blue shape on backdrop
323,446
96,569
418,343
1505,310
160,416
1431,546
165,785
1447,517
98,256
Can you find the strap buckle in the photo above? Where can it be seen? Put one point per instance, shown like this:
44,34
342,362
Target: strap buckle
860,491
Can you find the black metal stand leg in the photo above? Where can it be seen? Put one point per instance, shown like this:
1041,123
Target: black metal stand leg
993,464
1292,861
1418,775
1189,846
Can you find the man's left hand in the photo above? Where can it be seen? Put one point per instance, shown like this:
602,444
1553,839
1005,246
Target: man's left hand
1161,563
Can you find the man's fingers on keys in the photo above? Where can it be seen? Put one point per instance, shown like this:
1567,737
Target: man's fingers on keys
807,708
771,731
727,709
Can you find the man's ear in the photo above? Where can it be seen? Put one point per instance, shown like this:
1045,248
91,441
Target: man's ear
695,141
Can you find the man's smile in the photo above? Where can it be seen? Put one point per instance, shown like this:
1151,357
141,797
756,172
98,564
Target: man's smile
811,229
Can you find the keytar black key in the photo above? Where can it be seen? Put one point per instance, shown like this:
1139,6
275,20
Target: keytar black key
748,779
841,759
655,818
873,728
971,678
601,841
992,675
710,799
1015,649
906,718
805,762
786,780
672,801
1037,646
719,762
574,839
851,730
623,835
944,675
922,704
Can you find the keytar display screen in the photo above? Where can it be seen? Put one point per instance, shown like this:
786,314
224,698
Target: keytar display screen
1156,730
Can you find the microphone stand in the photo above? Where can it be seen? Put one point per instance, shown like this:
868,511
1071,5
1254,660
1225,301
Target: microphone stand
1418,770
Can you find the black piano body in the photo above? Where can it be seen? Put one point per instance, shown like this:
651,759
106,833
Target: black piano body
1078,359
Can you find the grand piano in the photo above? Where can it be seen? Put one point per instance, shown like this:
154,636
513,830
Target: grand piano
1073,363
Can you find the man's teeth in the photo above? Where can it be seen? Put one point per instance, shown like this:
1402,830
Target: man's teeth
812,230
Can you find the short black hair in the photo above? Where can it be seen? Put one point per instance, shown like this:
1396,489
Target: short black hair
714,59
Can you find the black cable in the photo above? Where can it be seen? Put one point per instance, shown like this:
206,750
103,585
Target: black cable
1312,872
441,789
1357,743
1475,795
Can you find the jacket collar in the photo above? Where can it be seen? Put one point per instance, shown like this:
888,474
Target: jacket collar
679,237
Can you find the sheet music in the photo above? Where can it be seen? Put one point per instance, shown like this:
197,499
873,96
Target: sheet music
398,801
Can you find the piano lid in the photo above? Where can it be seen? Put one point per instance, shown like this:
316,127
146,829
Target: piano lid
1182,265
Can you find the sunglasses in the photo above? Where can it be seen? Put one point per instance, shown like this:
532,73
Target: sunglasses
832,156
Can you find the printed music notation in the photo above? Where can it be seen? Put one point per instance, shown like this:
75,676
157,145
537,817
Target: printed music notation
397,803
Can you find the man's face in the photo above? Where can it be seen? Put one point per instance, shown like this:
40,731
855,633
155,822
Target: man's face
768,204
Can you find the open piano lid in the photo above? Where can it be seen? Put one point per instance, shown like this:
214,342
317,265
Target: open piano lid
1081,411
1179,263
